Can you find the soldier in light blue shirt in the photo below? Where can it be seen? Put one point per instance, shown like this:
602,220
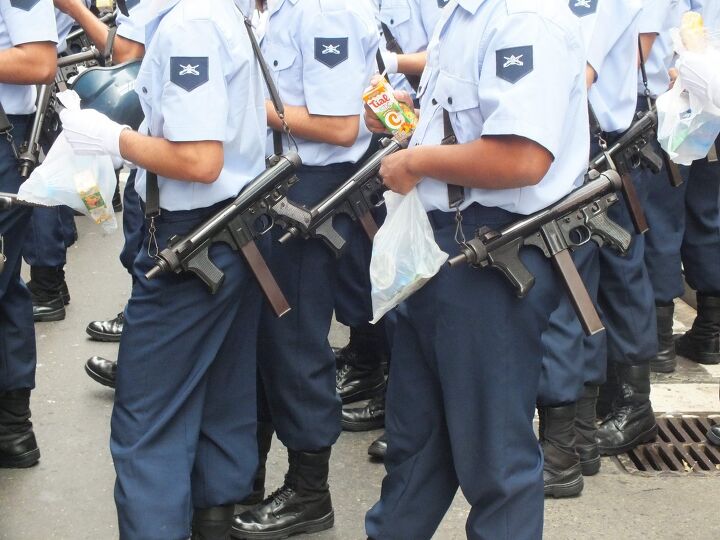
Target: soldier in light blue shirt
183,426
410,24
510,78
684,225
574,365
52,230
127,45
28,38
321,54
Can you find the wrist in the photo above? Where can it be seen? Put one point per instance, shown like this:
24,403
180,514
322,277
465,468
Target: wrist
391,61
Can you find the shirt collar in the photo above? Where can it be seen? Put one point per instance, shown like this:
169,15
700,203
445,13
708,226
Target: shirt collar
470,5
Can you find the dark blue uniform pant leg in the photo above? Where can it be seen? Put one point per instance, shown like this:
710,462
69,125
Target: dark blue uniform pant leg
353,306
296,363
626,296
52,231
461,397
701,244
17,330
183,430
571,358
133,223
665,212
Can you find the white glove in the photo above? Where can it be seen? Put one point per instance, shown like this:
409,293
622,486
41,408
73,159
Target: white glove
91,132
391,61
700,77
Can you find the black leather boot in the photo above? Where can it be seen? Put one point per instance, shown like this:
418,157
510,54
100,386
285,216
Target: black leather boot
212,523
701,343
585,428
265,432
18,447
378,448
102,370
109,330
48,291
607,392
665,361
368,347
355,384
367,418
301,505
632,421
561,469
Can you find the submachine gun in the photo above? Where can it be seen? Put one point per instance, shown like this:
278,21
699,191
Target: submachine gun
238,225
355,198
568,224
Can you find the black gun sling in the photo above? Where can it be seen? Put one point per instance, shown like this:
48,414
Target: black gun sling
392,45
456,194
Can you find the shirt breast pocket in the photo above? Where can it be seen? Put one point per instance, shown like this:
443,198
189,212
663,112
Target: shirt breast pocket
459,97
281,59
395,14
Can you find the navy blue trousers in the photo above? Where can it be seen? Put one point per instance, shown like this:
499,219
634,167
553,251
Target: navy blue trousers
571,358
133,223
183,429
52,231
685,228
461,398
17,330
296,363
701,241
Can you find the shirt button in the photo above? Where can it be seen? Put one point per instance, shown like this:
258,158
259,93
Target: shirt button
392,21
144,90
450,100
434,101
275,63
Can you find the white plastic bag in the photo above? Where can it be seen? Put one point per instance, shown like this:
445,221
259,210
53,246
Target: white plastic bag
685,130
688,121
85,183
405,255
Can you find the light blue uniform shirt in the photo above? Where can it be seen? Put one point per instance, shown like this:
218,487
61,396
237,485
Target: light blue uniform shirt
65,24
128,26
200,81
24,21
322,56
610,32
508,67
412,23
658,17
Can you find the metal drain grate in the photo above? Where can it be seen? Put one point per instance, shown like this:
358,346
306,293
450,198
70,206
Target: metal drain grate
681,448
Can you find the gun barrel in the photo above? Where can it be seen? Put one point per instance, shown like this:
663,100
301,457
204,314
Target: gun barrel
154,272
458,259
85,56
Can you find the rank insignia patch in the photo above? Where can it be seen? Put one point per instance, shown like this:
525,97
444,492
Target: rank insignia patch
331,51
25,5
189,72
514,63
583,7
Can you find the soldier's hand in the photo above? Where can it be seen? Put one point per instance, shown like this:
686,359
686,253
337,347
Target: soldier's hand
396,173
